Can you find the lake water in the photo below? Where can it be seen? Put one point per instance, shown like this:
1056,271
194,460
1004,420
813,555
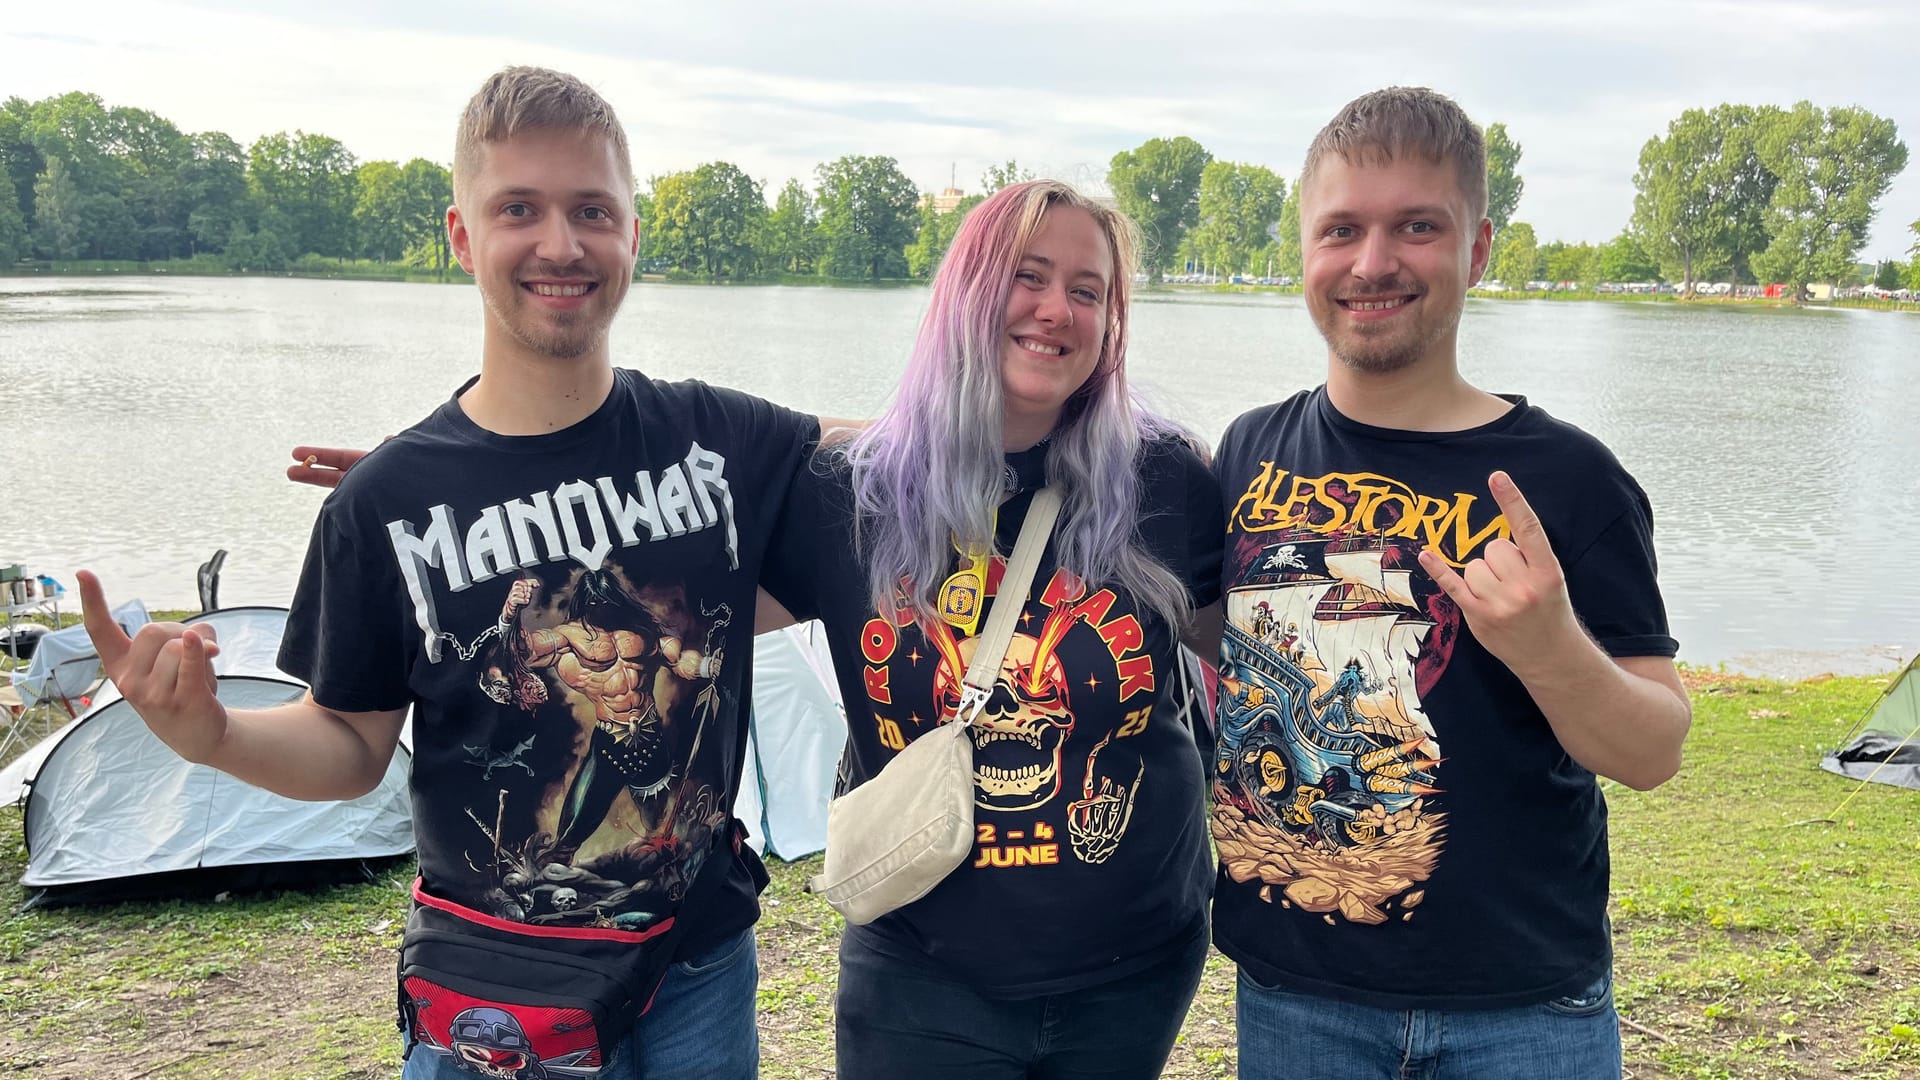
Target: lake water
147,421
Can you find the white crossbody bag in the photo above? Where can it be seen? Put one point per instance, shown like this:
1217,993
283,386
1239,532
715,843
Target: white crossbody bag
893,838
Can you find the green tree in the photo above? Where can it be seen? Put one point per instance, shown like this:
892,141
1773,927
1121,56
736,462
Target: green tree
20,161
13,228
1913,261
213,188
707,220
1832,167
380,211
1516,256
1157,184
1889,275
999,176
790,240
936,234
867,217
1504,183
1239,206
1622,259
1578,263
58,203
429,191
1288,260
310,179
1701,193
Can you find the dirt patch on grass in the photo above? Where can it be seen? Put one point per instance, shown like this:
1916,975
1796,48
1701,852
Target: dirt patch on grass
288,1014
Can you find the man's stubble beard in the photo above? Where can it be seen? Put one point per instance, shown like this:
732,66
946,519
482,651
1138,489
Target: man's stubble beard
570,334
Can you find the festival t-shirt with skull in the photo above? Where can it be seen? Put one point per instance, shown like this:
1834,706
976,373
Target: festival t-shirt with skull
1397,824
1090,855
571,617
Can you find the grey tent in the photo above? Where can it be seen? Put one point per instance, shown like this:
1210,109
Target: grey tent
112,813
1885,745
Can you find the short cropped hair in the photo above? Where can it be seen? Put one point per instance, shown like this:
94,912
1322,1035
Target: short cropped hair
520,99
1399,121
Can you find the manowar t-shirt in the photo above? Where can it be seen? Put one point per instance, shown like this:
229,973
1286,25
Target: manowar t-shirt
1090,855
1397,824
571,617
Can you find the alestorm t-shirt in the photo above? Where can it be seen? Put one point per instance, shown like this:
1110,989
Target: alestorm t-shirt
1397,824
570,617
1090,856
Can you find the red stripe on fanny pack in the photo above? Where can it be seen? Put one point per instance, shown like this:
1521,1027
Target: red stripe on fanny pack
577,933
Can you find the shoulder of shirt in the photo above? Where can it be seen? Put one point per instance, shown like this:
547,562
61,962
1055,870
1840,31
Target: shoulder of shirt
1579,449
1256,418
685,389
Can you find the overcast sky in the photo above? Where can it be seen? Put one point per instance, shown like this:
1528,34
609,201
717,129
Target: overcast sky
779,87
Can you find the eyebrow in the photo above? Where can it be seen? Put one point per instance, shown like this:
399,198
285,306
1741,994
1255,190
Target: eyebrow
525,192
1430,210
1048,263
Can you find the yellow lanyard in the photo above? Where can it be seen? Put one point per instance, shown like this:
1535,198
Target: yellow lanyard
964,592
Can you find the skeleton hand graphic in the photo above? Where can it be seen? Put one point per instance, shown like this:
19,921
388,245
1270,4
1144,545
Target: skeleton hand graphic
1097,820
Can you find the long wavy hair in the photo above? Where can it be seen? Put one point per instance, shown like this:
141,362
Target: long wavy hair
928,474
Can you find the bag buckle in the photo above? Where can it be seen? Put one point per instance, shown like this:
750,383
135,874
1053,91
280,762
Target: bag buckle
972,701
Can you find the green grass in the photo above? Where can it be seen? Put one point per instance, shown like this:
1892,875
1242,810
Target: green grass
1754,939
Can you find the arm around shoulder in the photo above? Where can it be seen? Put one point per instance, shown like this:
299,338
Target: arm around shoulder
304,750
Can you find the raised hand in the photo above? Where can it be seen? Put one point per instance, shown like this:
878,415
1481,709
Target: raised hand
322,466
165,672
1514,595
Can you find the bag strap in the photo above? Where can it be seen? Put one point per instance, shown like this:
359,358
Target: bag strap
1015,585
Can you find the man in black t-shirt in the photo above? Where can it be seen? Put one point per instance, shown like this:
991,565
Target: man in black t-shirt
555,572
1419,683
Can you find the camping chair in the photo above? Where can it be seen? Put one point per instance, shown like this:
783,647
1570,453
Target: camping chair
63,674
208,579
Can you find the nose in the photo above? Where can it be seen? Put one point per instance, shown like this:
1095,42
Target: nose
1376,259
1054,309
557,242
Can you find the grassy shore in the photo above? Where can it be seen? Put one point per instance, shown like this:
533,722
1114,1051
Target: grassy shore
1759,935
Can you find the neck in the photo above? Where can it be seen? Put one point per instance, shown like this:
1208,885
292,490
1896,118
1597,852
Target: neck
521,392
1429,395
1024,432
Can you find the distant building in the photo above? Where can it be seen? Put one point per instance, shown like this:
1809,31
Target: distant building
946,202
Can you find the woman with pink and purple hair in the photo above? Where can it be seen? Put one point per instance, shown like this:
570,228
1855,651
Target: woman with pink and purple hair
1071,942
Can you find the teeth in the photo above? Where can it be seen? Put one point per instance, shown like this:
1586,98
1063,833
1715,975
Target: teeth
1036,347
1376,305
560,290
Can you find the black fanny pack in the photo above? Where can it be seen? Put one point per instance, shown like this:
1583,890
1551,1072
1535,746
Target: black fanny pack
521,1001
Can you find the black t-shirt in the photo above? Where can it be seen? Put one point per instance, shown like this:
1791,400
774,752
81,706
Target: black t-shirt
1397,824
571,618
1090,858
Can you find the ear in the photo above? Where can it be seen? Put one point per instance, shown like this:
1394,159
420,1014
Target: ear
1482,251
634,246
458,239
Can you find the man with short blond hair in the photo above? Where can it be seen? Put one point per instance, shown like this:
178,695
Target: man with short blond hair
1412,842
584,907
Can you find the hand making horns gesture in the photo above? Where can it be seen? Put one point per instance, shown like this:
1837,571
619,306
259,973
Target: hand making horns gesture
1514,595
165,672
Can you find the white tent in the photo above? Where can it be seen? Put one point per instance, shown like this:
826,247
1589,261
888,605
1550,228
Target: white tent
111,812
793,756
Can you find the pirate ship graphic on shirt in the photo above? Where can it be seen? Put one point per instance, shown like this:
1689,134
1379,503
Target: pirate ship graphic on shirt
1327,765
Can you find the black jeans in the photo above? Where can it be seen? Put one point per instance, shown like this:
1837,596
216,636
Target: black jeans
895,1022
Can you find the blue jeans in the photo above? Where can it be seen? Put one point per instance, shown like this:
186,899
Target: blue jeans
1290,1036
893,1022
701,1026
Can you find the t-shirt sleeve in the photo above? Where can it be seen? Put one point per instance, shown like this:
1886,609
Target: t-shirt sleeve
1206,521
1614,585
802,543
347,629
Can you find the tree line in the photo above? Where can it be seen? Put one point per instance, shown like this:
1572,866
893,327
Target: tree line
1733,193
